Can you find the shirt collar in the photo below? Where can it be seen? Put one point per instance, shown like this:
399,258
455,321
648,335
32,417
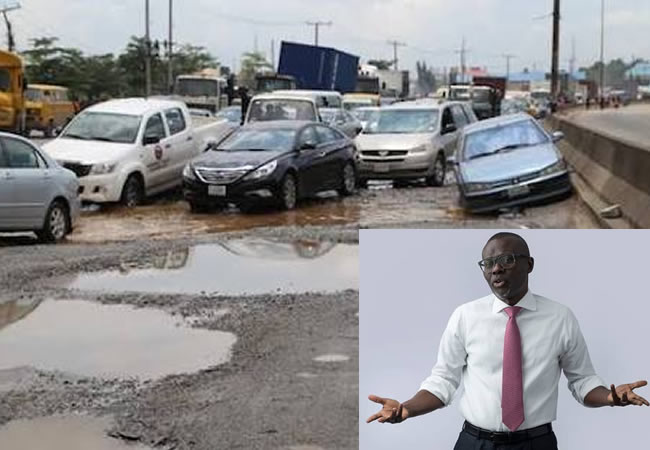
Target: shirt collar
528,301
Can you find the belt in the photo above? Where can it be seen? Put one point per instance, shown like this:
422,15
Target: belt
501,437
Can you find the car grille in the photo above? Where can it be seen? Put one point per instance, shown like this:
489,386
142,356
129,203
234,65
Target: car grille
220,176
81,170
384,153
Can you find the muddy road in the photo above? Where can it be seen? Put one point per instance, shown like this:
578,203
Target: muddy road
157,328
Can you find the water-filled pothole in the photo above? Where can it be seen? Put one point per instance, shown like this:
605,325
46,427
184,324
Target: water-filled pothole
238,267
61,433
109,341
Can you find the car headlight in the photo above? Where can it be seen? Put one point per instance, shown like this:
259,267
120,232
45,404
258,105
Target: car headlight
559,166
188,172
264,171
103,168
419,149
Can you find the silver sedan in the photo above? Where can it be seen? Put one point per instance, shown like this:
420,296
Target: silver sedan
36,193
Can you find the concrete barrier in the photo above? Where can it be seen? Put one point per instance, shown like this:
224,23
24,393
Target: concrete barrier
618,170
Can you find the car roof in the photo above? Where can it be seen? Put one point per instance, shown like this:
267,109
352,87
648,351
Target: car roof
309,92
51,87
279,124
274,96
496,122
133,106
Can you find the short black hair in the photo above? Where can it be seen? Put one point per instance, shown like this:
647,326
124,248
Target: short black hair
508,235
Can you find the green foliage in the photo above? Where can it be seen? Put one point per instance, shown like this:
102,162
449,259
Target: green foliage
99,77
251,64
614,72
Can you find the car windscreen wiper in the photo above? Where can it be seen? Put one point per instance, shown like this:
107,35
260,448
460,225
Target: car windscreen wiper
502,149
75,136
101,138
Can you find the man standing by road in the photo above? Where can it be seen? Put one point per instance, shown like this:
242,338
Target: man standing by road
508,349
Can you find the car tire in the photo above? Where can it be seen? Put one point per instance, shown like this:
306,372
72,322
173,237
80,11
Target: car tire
132,192
287,195
57,223
437,178
348,180
400,184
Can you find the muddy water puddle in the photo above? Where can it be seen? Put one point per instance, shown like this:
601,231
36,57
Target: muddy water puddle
61,433
108,341
237,267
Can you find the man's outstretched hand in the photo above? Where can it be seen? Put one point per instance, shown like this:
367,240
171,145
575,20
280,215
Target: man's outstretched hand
624,395
392,411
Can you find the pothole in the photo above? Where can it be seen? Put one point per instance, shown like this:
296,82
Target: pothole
238,267
109,341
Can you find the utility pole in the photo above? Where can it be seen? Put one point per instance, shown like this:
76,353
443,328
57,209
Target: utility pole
556,53
317,24
396,44
273,53
508,58
147,59
11,43
602,54
463,51
170,51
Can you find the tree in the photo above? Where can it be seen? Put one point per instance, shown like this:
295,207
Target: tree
381,64
614,72
251,64
426,80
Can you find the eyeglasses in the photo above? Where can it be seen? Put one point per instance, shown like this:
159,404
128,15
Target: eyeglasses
507,261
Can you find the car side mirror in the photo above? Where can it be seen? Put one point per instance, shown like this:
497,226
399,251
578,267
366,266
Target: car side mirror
557,136
358,129
449,128
309,145
151,139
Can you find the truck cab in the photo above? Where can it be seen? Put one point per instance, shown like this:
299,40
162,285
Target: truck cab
12,85
269,82
203,90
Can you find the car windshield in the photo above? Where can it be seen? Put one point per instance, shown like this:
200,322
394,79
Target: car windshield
33,94
263,110
481,95
459,93
197,87
519,134
352,105
232,114
402,121
328,115
364,115
100,126
279,140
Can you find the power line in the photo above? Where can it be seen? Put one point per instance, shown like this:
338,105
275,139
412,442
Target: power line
317,24
396,44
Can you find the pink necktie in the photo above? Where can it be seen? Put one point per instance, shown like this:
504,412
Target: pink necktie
512,392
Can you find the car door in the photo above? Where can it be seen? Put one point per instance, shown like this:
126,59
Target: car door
180,145
448,131
6,191
155,157
309,161
332,151
31,184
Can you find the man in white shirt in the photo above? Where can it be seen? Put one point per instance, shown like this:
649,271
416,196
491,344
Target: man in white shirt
508,350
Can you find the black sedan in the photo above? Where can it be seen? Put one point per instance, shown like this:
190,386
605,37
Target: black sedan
282,161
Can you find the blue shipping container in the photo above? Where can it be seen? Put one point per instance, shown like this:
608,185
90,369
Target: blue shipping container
321,68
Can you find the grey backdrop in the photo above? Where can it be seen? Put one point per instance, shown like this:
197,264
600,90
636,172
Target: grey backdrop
411,281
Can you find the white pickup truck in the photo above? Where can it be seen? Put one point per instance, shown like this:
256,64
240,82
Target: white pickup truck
124,150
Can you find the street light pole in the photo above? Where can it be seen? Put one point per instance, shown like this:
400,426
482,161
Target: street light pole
556,53
602,54
147,58
170,50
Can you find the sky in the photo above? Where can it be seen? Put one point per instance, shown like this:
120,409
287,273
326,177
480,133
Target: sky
431,29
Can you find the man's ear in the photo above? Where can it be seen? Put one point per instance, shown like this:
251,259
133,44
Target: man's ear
531,264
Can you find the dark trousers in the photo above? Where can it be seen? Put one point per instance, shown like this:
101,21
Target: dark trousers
468,442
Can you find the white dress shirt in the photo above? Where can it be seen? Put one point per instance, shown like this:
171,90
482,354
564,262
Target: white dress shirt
472,346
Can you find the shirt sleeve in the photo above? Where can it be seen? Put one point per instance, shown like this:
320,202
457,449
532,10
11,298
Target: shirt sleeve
452,356
576,363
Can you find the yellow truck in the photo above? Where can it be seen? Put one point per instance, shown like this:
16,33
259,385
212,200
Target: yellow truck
12,85
48,107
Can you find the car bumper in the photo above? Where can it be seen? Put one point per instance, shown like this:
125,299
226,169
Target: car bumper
416,165
538,189
196,191
100,188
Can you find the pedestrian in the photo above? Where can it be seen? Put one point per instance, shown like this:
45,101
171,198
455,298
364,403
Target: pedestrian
245,101
507,349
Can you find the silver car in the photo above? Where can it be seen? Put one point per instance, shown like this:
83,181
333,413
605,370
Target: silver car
507,161
341,119
36,193
411,140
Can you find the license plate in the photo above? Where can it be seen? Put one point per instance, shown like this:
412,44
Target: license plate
383,168
518,191
217,191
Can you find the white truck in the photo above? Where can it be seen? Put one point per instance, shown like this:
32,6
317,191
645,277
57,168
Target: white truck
127,149
202,90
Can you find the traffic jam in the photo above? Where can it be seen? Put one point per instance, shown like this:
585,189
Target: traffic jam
283,145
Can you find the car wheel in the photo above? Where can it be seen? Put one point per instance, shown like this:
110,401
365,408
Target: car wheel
398,184
132,192
437,178
348,180
57,223
288,193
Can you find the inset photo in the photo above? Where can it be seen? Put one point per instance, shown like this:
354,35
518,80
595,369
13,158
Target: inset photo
514,339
